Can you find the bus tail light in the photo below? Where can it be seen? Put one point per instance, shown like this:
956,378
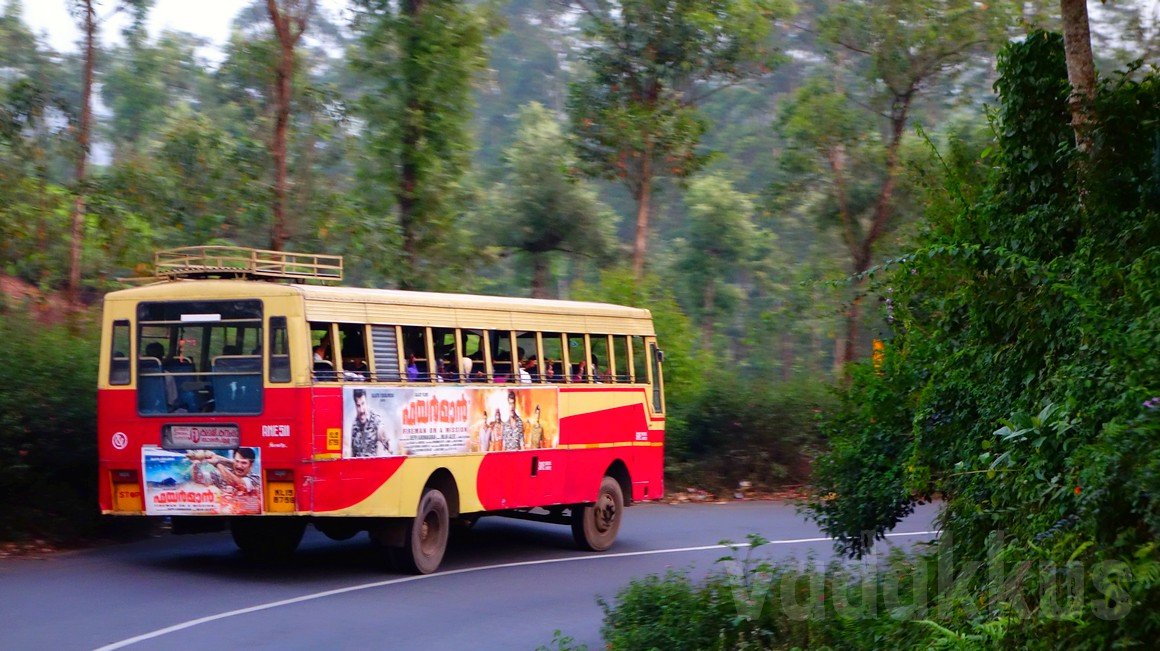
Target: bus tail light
279,491
127,494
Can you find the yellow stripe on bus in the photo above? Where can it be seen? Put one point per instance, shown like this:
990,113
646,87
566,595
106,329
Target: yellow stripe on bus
399,495
591,446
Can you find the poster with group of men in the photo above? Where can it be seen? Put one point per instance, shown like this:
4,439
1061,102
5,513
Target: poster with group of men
388,421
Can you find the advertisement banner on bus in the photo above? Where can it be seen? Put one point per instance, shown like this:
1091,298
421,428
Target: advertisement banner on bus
211,482
380,422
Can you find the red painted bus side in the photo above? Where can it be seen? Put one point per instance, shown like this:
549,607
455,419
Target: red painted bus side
297,430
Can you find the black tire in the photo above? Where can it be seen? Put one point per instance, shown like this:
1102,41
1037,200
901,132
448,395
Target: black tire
267,539
594,526
426,536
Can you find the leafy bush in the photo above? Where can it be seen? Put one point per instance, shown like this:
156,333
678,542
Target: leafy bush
748,603
48,427
737,430
1021,383
900,601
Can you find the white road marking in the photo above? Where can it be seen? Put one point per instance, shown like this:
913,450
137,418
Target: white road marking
406,579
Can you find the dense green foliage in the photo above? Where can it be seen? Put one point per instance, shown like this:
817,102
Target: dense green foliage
1021,383
736,431
48,455
1019,386
543,210
417,59
399,125
634,115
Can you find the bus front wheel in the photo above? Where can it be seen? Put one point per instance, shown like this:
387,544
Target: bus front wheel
267,539
425,538
594,526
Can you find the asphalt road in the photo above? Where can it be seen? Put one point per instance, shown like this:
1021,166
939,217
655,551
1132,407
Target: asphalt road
506,584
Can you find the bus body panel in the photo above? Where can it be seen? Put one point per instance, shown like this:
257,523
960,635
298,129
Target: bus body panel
299,429
327,484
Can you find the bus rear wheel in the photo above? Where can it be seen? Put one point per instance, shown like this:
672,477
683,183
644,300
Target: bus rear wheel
267,539
594,526
425,538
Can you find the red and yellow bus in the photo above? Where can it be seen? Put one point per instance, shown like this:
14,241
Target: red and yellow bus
238,391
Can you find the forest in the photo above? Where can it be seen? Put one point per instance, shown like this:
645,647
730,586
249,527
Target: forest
896,251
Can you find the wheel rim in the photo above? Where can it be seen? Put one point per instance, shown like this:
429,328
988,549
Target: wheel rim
604,513
429,533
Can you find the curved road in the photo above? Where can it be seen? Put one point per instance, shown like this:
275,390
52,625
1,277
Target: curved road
506,584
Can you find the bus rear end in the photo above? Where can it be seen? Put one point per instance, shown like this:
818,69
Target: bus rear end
198,417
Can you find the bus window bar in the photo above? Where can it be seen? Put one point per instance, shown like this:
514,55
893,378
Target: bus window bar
214,323
245,262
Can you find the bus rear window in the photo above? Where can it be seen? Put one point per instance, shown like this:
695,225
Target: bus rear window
199,356
119,364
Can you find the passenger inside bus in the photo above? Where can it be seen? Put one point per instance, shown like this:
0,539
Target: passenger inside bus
412,368
153,394
323,368
322,350
581,373
184,379
155,349
479,370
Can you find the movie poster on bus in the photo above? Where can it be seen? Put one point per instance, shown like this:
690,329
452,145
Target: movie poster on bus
380,422
211,482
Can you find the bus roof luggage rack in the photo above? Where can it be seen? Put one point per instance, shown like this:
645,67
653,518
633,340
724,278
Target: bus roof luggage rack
244,262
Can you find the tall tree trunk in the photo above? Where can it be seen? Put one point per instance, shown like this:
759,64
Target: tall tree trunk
408,191
541,276
787,356
289,24
862,255
1081,69
643,207
282,88
84,129
708,301
853,316
839,351
836,156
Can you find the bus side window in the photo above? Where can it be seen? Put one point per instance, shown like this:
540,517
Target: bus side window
278,349
552,365
526,350
600,357
119,363
446,354
353,348
502,362
322,361
474,349
415,346
654,360
639,360
577,370
385,352
620,355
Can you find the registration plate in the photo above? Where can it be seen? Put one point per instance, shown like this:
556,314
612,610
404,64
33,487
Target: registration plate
199,437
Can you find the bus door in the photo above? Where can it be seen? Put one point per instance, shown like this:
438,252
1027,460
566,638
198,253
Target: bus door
540,468
326,393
